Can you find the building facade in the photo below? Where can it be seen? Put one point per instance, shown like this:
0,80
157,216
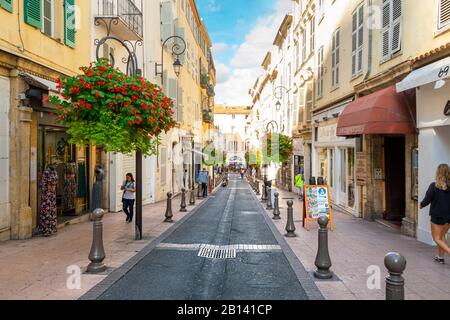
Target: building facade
44,40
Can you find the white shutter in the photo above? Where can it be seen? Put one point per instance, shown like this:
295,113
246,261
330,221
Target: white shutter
180,33
386,31
396,26
180,105
173,95
354,41
167,23
444,13
357,39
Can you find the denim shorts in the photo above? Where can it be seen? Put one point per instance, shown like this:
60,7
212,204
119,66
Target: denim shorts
440,221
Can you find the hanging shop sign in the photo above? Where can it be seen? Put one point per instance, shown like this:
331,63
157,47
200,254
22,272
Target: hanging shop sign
317,203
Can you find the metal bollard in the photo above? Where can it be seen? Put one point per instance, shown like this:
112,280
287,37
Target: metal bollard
323,261
97,254
183,200
269,198
395,283
264,193
169,214
290,226
276,207
192,198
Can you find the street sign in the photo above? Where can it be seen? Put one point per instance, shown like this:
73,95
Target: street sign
317,203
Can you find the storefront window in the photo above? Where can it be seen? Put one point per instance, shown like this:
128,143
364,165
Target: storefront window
72,168
351,177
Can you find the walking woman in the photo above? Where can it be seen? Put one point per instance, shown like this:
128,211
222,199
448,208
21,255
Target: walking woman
129,196
438,195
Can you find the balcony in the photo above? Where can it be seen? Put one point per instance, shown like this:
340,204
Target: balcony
208,116
210,90
204,81
123,17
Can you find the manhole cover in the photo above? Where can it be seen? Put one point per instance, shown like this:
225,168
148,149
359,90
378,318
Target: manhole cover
211,252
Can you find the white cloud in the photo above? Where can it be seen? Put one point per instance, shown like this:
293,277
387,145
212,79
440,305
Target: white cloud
245,66
223,73
219,47
213,6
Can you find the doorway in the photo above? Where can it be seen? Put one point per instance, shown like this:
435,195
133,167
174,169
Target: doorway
394,157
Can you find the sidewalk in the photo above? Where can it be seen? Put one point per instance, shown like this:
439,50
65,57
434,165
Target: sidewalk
36,269
357,244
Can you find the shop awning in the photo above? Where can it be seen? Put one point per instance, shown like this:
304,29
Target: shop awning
383,112
38,82
431,73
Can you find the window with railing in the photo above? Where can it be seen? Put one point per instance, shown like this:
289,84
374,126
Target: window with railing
127,10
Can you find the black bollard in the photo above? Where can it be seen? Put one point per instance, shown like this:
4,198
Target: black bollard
269,198
395,283
97,254
264,193
290,226
169,214
323,261
192,198
276,207
183,200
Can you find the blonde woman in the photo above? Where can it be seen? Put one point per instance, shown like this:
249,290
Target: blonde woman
438,195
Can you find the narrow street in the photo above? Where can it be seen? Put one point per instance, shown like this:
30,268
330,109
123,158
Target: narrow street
178,269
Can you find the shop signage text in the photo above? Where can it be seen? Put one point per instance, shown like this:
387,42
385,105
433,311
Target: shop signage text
447,109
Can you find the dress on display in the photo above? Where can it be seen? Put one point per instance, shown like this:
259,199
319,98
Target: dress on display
70,187
48,214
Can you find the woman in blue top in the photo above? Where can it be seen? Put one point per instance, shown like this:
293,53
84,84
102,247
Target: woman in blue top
129,196
438,196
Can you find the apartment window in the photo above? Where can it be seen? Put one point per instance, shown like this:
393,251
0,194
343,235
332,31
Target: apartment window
303,45
312,29
321,11
392,28
309,101
7,5
335,57
357,40
320,73
47,17
443,14
297,55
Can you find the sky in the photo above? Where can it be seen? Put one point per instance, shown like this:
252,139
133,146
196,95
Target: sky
242,31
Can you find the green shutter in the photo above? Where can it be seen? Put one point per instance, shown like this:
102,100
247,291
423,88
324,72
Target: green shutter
69,23
7,5
33,14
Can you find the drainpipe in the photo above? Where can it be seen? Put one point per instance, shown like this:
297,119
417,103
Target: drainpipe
370,55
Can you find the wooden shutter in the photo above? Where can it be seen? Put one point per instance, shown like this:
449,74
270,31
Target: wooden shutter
444,13
173,95
69,23
166,20
7,5
32,12
180,33
396,26
386,30
357,39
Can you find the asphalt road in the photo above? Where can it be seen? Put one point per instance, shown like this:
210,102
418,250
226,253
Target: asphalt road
174,270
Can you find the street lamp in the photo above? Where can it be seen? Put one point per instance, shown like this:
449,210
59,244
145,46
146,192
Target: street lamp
132,70
282,91
177,49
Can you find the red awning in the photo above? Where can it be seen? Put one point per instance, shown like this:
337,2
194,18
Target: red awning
383,112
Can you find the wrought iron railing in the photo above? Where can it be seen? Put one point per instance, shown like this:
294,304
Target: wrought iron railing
127,10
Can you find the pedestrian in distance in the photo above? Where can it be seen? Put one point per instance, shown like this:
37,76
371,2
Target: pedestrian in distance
129,196
300,184
242,173
203,179
185,177
438,197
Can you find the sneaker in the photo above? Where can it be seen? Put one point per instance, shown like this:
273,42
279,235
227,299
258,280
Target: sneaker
439,260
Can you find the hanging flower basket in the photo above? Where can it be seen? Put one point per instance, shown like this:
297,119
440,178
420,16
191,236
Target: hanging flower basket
103,106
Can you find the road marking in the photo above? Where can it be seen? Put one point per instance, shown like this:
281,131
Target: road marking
209,247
